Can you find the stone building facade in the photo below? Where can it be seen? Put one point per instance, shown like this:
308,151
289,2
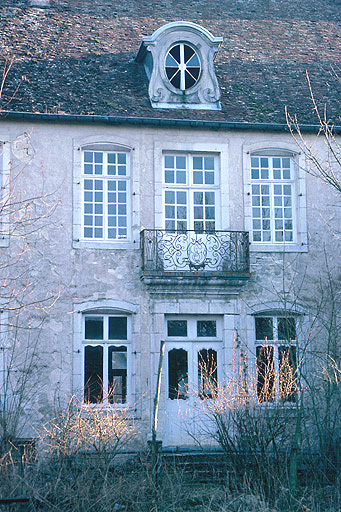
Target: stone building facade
188,227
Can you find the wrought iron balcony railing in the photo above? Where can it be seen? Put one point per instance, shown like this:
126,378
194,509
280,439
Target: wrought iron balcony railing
223,254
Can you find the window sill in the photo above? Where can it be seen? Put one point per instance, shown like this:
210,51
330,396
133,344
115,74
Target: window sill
117,244
261,247
129,411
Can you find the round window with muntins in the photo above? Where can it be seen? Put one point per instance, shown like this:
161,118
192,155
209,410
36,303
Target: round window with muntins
182,66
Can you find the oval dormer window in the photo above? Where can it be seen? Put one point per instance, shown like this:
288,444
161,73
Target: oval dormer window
182,66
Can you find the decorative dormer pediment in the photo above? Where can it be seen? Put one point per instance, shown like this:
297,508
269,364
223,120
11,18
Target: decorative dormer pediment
178,60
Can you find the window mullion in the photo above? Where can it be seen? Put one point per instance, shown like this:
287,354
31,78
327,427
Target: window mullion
105,372
182,68
190,192
190,213
276,356
105,196
272,211
105,208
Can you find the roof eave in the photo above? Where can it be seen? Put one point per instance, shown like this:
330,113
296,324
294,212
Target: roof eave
151,121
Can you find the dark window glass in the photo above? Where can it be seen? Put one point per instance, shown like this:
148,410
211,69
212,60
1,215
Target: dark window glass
117,328
170,71
93,375
188,52
189,80
117,374
287,373
177,328
206,328
264,328
176,80
265,374
93,328
177,374
175,52
207,373
286,329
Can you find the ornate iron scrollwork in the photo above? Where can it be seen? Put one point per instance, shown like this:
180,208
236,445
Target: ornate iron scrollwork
217,251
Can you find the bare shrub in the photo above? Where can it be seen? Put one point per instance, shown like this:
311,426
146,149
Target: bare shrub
77,448
253,420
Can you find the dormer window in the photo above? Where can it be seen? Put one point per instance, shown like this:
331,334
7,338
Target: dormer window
178,60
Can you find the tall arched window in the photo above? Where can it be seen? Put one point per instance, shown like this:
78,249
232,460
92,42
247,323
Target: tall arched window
276,357
106,357
106,195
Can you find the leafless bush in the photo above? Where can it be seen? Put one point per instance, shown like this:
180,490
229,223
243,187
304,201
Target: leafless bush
252,426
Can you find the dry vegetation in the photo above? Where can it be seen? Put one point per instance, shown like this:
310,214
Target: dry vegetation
78,465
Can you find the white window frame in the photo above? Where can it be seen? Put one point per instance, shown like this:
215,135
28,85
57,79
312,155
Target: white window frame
271,182
182,65
5,167
99,144
195,343
269,148
106,343
276,343
192,328
190,187
102,307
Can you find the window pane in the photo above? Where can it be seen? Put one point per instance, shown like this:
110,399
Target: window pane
117,328
197,162
177,328
209,163
207,373
93,374
117,374
206,328
177,374
181,162
93,328
265,374
287,329
169,176
169,161
264,328
287,373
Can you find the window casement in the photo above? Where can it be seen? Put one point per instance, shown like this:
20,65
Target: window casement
276,358
192,356
106,197
273,199
106,340
191,192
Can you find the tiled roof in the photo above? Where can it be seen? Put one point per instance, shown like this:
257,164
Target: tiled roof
78,56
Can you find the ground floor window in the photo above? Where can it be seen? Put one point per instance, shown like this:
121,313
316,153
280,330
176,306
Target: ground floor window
105,356
276,358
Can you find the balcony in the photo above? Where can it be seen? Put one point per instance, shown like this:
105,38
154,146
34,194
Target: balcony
184,257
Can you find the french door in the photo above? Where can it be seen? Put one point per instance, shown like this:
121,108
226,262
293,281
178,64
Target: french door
192,373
